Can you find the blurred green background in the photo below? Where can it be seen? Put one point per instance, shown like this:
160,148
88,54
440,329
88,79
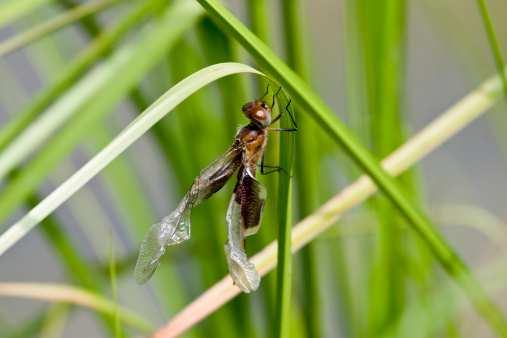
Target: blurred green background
387,69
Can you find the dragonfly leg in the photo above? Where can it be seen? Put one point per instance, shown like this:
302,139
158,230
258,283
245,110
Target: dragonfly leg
280,115
273,104
276,169
266,93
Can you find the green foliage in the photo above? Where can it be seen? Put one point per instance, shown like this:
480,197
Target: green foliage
372,274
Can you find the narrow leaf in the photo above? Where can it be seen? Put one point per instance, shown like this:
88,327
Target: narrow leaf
497,54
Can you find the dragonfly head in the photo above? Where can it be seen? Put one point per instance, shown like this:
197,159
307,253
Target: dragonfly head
259,112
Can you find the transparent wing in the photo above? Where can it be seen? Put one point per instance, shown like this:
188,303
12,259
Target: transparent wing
149,257
215,175
175,228
243,219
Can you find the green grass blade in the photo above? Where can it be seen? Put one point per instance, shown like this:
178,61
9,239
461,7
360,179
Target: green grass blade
55,321
136,129
295,46
71,256
52,25
87,102
358,114
30,328
98,47
383,38
125,188
259,14
114,290
284,271
326,118
68,250
14,9
497,54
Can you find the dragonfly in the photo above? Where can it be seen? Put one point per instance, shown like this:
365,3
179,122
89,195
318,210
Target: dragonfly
245,208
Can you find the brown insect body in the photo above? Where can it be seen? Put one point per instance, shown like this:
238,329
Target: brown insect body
253,141
245,208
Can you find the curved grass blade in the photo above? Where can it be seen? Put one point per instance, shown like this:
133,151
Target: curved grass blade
129,135
326,118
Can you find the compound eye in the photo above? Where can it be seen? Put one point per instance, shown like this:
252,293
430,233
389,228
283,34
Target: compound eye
259,112
247,109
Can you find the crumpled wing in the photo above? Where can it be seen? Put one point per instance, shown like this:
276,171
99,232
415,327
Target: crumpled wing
175,228
243,219
156,240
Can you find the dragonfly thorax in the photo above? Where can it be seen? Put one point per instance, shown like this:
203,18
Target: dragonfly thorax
253,140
